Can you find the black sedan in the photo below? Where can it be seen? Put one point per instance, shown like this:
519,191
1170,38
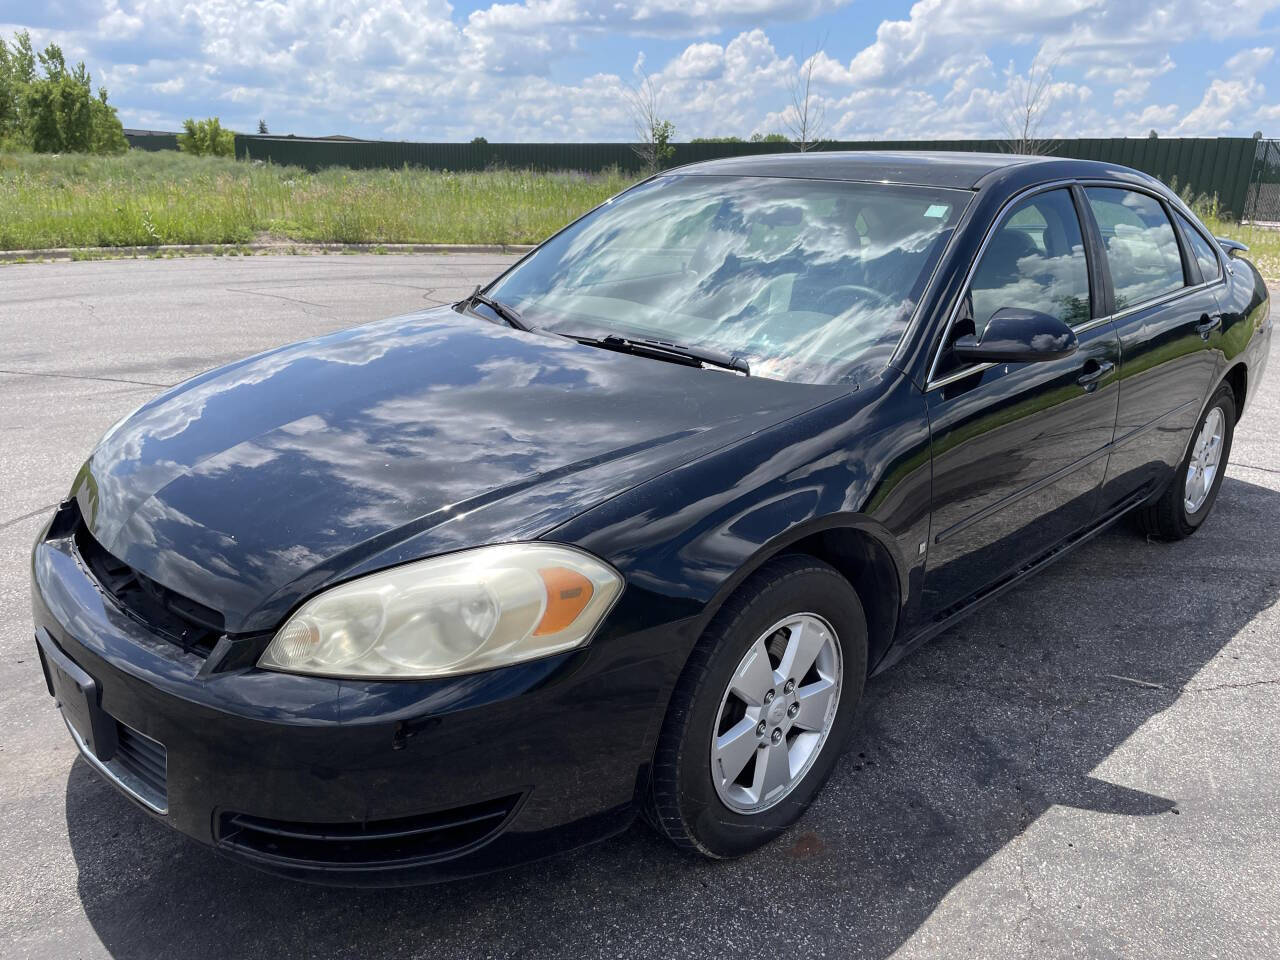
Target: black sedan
627,530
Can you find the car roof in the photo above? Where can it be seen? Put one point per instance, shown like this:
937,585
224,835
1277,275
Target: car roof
938,168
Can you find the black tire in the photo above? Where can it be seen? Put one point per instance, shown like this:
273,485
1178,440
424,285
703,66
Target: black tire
1167,518
683,803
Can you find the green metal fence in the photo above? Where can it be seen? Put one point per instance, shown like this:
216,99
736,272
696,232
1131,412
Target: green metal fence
1263,204
1223,166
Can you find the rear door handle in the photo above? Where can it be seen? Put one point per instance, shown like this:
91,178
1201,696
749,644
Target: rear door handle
1094,371
1208,324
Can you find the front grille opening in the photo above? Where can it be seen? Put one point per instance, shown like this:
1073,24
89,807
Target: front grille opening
192,626
373,844
138,765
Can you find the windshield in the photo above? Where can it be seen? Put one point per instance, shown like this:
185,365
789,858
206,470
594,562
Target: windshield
801,278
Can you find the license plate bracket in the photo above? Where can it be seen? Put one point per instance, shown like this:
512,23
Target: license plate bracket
77,695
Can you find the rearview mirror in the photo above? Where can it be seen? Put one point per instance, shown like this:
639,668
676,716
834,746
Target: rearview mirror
1015,335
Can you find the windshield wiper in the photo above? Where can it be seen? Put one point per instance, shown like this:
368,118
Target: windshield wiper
665,350
509,314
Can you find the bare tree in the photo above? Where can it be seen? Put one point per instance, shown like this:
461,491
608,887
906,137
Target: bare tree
806,117
1028,100
653,132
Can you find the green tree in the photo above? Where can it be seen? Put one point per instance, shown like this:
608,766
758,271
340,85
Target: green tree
58,111
17,71
717,140
206,138
769,138
108,133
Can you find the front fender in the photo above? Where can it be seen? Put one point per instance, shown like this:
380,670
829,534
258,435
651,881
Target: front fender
687,539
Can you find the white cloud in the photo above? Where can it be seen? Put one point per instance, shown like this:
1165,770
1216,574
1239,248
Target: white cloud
419,69
718,91
1222,103
651,17
1232,98
945,34
1248,62
1131,81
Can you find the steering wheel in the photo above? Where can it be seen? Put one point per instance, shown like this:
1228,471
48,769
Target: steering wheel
865,292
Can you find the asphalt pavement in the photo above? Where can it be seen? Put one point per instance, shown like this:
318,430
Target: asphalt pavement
1089,767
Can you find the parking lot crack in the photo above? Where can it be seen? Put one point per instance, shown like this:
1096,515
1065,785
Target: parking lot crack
1244,684
1147,684
1254,466
80,376
277,296
27,516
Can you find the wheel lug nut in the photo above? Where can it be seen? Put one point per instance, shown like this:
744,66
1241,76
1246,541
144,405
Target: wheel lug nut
791,685
777,735
768,697
760,728
793,710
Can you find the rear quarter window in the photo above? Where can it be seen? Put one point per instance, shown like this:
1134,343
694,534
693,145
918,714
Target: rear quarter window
1201,250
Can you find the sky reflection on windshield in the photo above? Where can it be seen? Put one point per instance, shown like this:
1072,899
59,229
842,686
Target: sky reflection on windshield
798,277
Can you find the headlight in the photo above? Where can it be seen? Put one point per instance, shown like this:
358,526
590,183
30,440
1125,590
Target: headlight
460,613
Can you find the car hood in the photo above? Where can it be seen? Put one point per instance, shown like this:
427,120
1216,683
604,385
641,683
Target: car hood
251,486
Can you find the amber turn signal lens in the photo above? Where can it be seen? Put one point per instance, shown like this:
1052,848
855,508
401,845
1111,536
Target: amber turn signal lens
568,593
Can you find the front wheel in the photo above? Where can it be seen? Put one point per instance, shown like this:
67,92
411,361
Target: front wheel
761,710
1190,497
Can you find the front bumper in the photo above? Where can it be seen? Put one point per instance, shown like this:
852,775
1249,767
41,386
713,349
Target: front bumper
357,782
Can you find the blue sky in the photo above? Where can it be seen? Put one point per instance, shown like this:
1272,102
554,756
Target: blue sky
560,69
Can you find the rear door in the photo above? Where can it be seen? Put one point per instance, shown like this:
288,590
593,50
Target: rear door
1019,449
1166,315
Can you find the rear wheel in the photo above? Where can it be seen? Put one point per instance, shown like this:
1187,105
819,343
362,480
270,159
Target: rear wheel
1190,497
759,715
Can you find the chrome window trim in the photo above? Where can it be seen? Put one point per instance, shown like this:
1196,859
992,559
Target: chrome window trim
933,382
951,378
1162,299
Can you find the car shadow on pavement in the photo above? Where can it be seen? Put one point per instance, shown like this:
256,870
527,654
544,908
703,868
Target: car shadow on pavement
962,747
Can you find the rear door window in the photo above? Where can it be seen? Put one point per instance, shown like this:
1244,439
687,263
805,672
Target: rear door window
1142,250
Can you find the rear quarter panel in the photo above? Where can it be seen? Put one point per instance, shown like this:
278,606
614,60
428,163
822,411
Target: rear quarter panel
1246,323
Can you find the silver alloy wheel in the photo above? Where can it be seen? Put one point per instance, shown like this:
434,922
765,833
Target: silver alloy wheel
1206,456
776,713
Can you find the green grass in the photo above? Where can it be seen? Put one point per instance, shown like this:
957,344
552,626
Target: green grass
143,199
1263,244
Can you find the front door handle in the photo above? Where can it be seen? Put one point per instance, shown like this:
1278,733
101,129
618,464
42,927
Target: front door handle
1208,324
1094,371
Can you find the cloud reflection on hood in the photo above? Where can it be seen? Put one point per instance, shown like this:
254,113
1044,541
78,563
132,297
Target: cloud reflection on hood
315,457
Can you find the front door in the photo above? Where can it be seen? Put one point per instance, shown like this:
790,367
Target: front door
1020,449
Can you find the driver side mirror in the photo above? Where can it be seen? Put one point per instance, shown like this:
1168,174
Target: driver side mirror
1015,335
